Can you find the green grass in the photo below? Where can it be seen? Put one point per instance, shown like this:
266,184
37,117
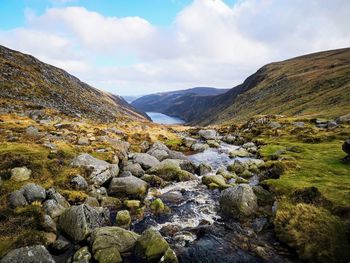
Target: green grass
318,165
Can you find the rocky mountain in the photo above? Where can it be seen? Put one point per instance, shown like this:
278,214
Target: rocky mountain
27,83
313,85
166,102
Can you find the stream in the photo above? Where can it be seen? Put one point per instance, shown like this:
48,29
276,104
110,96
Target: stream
197,232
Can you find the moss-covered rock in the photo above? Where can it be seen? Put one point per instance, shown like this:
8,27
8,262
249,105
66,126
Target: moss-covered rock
151,246
108,255
123,219
157,206
169,257
170,170
214,178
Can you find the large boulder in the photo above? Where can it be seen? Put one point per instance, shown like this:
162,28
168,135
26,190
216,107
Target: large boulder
204,169
30,254
170,170
33,192
199,147
151,246
52,208
159,151
188,141
238,201
217,179
208,134
19,174
100,171
145,160
114,240
77,222
130,186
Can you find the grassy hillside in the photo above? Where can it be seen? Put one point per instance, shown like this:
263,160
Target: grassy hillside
315,85
27,83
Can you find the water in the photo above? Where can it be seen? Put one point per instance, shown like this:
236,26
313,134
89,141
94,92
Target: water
164,119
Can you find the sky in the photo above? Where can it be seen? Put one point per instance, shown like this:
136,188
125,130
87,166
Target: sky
137,47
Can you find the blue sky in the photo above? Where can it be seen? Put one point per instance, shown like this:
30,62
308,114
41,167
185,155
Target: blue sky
132,47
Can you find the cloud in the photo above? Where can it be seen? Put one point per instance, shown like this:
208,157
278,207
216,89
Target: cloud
209,42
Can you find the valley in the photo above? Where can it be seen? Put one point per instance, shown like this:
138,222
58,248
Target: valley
258,173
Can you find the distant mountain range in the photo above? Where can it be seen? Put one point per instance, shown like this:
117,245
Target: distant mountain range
314,85
27,83
165,102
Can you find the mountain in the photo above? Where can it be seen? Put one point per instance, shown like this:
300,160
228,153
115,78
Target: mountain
315,85
27,83
130,99
165,102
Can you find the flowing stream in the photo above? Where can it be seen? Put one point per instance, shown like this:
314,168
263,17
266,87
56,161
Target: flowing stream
194,228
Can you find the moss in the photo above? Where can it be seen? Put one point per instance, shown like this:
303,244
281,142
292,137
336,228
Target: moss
74,196
316,234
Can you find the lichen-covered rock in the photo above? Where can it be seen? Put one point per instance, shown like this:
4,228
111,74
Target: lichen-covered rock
52,194
92,201
79,183
119,239
188,141
20,174
169,257
49,224
151,246
123,219
100,171
239,153
153,180
33,192
238,201
130,186
84,219
145,160
52,208
157,206
199,147
83,255
30,254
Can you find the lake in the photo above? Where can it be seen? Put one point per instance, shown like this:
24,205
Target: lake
164,119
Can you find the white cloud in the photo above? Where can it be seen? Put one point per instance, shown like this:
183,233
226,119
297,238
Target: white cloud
208,44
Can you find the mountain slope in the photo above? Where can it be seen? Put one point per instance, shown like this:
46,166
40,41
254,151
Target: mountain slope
26,82
162,102
315,85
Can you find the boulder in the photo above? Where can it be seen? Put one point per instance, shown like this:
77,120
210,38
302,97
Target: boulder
145,160
49,224
208,134
238,201
214,178
83,141
30,254
130,186
20,174
188,141
159,151
79,183
92,201
60,246
157,206
84,219
199,147
204,169
176,155
274,125
52,208
153,180
299,124
117,238
134,168
56,196
160,154
173,197
33,192
170,170
17,199
239,153
100,171
83,255
123,219
33,132
150,246
169,257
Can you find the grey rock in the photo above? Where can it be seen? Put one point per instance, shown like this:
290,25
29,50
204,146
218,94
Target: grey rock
33,192
52,208
174,197
92,201
32,254
199,147
130,186
56,196
188,141
17,199
238,201
83,141
100,171
160,154
145,160
33,132
83,255
79,183
49,224
84,219
60,246
125,174
299,124
134,168
176,155
208,134
344,119
274,125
